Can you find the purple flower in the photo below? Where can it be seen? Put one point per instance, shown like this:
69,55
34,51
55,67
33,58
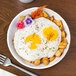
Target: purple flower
28,21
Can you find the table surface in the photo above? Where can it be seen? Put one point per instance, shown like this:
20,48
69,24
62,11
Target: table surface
66,8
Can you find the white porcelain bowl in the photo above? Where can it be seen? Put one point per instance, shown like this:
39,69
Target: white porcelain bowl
12,29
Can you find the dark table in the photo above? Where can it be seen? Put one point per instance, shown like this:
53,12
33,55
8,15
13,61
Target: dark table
66,8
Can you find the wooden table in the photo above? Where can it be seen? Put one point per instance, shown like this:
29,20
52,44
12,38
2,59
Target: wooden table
66,8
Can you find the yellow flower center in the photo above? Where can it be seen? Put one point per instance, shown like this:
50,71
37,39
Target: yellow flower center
35,40
50,33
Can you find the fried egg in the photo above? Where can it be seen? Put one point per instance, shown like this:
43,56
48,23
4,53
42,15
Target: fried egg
38,40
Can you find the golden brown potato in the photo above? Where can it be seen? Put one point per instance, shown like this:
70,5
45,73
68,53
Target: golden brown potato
61,50
63,44
58,53
62,47
45,14
65,41
28,61
51,58
21,18
63,34
61,28
32,62
54,21
37,62
45,61
52,18
58,23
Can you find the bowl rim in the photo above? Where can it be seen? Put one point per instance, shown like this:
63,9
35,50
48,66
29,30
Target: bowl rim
34,67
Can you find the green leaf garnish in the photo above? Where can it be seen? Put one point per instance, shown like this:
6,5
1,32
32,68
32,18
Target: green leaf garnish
49,48
53,47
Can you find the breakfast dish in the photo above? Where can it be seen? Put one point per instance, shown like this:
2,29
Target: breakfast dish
39,38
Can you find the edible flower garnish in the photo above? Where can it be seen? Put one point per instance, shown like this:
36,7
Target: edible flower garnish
37,13
20,25
27,21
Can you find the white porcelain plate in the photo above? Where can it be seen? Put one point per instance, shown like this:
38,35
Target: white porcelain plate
12,29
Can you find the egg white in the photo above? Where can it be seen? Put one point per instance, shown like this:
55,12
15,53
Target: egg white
45,49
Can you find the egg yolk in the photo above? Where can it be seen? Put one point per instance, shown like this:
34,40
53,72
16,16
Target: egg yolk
50,33
35,40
